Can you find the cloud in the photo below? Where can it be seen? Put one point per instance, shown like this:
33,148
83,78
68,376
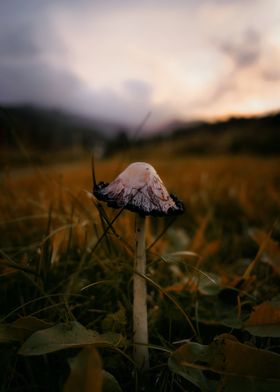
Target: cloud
43,85
17,44
138,90
128,105
244,50
270,65
37,84
121,59
271,74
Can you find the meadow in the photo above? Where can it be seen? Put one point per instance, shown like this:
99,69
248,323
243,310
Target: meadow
213,278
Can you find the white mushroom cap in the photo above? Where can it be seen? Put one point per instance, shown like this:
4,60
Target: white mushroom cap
139,188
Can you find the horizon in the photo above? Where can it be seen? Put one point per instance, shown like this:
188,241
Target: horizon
109,126
118,61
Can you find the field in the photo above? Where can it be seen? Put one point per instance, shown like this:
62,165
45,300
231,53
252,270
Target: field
213,278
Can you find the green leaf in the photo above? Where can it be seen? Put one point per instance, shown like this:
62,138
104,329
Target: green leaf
110,384
209,283
66,335
212,311
194,376
21,329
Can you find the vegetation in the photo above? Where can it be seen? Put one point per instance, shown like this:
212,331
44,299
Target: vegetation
213,278
255,135
42,132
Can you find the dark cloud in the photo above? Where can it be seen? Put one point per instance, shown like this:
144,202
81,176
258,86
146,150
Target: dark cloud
26,39
128,106
42,85
36,84
245,50
26,30
17,35
138,90
31,43
17,44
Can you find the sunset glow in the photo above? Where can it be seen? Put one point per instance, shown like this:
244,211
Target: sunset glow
121,59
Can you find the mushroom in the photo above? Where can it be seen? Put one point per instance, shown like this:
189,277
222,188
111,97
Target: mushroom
139,189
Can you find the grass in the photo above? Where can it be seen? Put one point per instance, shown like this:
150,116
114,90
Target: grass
63,261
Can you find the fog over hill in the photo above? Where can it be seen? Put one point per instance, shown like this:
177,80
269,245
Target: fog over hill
53,130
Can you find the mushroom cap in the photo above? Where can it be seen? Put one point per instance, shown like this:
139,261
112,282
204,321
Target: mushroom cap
139,188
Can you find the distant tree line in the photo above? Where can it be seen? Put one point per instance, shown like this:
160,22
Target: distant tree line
45,129
260,135
54,130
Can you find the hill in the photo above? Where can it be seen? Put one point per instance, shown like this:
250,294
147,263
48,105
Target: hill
257,135
41,131
34,133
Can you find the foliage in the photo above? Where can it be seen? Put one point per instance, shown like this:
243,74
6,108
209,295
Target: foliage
237,363
66,265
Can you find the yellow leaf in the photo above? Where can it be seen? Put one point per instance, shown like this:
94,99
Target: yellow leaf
86,372
264,320
227,356
268,246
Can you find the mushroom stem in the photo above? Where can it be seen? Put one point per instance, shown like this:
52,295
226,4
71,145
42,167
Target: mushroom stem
140,320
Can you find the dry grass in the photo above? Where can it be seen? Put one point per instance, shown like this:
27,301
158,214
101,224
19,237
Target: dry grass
51,225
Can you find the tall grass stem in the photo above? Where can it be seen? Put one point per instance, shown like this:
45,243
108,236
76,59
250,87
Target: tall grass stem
140,319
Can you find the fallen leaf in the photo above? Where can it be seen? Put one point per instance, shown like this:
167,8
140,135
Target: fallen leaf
264,320
232,360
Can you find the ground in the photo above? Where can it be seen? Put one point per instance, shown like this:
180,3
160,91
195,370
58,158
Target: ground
213,277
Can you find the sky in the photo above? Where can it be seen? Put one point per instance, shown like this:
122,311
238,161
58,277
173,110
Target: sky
121,59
